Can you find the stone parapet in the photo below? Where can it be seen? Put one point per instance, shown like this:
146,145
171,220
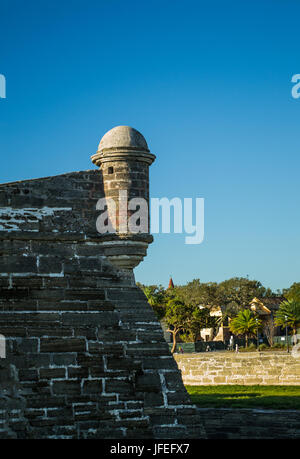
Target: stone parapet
241,368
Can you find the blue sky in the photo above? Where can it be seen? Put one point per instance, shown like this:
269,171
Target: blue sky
208,83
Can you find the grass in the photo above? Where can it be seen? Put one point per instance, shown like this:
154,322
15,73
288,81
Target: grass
279,349
235,396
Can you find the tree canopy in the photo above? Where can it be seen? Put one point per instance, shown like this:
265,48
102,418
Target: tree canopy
189,319
231,295
187,308
293,293
157,298
245,323
288,314
197,293
235,294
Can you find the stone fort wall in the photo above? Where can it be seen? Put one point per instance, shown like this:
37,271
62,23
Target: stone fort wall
243,424
241,368
86,357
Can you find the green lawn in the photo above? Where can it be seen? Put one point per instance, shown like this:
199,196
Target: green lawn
230,396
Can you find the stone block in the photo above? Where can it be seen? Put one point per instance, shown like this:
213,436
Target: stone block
77,372
148,383
119,386
63,359
66,387
52,373
62,345
48,264
18,264
92,387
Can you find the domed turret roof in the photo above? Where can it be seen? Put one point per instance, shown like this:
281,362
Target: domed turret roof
123,143
123,137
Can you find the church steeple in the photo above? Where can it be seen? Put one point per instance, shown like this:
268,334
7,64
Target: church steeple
171,284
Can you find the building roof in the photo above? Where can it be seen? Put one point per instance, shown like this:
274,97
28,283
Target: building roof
268,304
123,137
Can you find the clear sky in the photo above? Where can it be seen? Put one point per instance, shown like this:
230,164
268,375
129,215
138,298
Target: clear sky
208,83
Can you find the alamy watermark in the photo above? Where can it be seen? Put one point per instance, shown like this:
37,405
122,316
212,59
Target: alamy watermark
132,216
2,87
2,347
296,87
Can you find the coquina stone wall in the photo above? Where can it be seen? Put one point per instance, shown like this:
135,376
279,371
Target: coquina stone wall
239,368
85,354
243,424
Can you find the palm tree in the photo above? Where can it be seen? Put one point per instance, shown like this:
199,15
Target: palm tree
245,323
288,314
150,294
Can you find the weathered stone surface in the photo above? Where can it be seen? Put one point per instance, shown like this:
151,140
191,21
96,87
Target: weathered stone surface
242,368
124,159
250,424
88,355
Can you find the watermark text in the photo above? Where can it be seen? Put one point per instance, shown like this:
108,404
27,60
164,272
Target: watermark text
2,87
296,87
176,215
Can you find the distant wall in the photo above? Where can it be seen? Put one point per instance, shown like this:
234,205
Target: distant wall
242,368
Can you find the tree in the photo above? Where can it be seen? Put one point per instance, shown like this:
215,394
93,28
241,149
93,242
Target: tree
288,314
235,294
157,298
189,319
198,319
245,323
197,293
177,315
269,331
293,293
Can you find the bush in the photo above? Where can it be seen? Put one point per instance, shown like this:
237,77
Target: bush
251,347
185,338
262,347
243,349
